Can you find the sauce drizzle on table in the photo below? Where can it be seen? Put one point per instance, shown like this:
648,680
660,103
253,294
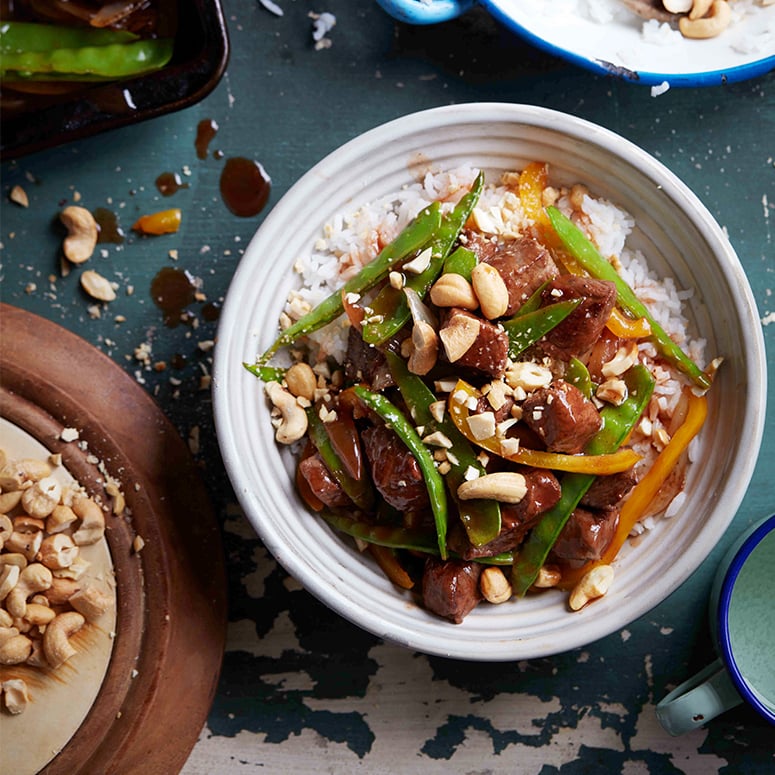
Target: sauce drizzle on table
245,186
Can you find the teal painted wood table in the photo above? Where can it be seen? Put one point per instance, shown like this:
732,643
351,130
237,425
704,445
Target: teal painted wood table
302,690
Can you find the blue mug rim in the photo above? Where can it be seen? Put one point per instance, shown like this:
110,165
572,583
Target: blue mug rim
751,541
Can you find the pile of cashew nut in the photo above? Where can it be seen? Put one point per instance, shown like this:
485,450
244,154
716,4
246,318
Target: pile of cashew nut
47,593
702,19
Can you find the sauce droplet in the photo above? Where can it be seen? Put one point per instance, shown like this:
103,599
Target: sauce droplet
211,311
169,183
109,230
172,290
206,130
245,186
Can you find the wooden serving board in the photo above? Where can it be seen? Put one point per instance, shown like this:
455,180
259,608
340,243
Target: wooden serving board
171,596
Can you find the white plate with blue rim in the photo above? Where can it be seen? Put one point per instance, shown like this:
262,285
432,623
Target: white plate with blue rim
608,38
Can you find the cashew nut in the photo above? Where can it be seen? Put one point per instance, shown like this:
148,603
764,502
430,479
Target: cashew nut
548,576
57,551
56,639
6,528
9,501
61,518
491,291
92,526
34,578
15,696
425,348
677,6
453,290
91,602
15,650
505,486
37,614
708,26
25,543
9,578
593,584
494,585
82,234
459,336
301,381
19,474
293,419
40,499
61,590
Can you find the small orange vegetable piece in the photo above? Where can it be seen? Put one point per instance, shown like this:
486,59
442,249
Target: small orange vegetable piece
391,567
612,463
532,182
626,327
163,222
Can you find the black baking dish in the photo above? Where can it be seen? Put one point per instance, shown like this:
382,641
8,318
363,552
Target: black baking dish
199,60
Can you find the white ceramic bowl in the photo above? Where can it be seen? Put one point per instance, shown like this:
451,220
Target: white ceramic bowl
676,233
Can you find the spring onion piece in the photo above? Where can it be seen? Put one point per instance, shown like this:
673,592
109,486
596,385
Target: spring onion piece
587,255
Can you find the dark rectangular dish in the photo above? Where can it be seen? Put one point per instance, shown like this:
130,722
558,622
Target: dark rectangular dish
199,60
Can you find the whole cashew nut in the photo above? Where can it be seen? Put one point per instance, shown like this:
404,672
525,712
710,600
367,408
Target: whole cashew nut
40,499
34,578
92,526
15,650
708,26
82,234
6,528
293,423
56,639
9,578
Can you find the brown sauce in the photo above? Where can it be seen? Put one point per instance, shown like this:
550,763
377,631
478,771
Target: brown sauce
172,290
206,130
169,183
109,229
245,186
211,311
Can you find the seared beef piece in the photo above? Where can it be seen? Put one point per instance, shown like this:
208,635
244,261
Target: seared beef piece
451,588
394,469
364,363
322,482
562,416
482,246
582,328
607,491
525,265
490,350
586,535
543,492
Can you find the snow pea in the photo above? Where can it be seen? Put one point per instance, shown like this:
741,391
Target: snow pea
266,373
618,421
461,261
577,244
525,329
578,375
384,535
52,53
390,309
405,431
417,234
481,518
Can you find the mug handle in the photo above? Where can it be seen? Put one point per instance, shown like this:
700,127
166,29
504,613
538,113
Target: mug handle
698,700
418,12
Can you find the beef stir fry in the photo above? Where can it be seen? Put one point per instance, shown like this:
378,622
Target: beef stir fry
481,436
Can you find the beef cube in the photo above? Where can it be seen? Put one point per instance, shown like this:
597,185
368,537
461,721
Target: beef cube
394,469
525,265
451,588
607,491
322,482
364,363
585,537
582,328
483,247
543,492
489,350
562,416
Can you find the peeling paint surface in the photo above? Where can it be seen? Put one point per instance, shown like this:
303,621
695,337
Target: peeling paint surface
301,689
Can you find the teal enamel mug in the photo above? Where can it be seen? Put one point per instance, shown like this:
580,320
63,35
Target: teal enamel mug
742,617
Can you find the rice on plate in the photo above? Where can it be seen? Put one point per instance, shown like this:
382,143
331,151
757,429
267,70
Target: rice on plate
487,492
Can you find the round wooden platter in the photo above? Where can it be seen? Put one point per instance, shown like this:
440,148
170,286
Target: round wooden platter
171,595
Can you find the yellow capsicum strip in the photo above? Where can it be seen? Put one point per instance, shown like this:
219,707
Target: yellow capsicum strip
612,463
626,327
645,491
